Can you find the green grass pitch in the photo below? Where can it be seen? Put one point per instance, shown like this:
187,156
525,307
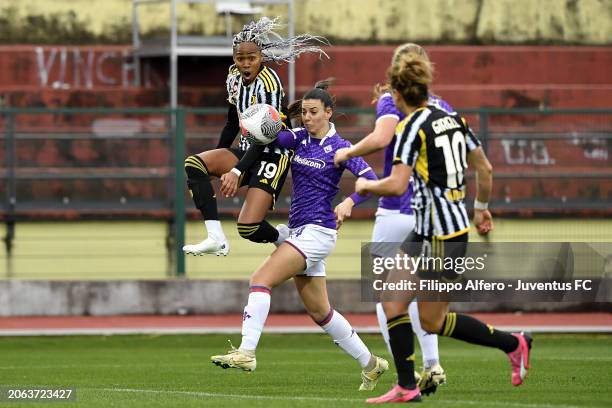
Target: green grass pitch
295,371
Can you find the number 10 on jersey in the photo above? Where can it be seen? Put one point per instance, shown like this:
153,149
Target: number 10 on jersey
454,153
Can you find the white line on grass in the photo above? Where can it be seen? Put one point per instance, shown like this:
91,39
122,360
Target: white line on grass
307,398
267,363
286,329
140,365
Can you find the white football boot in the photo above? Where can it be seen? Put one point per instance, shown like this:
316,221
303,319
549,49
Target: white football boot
236,358
208,246
369,379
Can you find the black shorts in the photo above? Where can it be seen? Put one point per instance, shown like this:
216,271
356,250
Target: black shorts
268,173
417,245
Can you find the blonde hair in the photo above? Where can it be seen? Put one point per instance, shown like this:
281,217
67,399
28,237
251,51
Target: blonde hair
408,48
400,50
410,75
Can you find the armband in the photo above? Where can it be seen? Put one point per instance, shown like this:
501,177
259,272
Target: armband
480,205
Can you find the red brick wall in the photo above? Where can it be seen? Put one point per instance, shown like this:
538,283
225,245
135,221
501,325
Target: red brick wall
467,76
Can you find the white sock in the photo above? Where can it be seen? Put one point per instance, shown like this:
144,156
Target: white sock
215,231
280,240
427,341
254,317
344,336
382,322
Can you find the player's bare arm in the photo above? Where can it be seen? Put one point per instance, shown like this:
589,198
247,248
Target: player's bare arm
484,183
378,139
394,185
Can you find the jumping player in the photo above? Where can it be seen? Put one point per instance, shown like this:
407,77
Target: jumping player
313,234
438,146
249,82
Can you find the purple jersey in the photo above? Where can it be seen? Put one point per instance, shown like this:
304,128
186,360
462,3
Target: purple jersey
315,178
385,108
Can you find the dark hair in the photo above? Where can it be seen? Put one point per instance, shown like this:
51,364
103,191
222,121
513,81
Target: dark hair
320,92
410,75
294,109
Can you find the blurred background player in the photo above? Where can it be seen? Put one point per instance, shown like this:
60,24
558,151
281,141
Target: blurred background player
312,238
394,215
249,82
435,144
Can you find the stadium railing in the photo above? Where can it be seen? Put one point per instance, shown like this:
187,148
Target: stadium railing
83,163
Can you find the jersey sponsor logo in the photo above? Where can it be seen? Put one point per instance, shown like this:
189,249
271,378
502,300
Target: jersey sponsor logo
305,161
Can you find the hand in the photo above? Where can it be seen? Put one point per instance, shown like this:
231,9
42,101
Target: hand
229,184
483,221
343,210
361,186
341,155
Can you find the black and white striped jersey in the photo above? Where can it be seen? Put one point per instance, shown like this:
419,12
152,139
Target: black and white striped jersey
435,144
265,88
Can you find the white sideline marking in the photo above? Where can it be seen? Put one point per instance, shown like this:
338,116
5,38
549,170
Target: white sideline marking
267,363
283,329
121,366
307,398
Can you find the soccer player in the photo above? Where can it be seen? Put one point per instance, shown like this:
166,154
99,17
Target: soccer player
249,82
438,146
395,217
313,224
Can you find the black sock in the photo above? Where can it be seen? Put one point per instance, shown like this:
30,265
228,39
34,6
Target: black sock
201,189
466,328
402,345
261,232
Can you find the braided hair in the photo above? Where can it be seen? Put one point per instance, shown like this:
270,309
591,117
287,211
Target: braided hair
274,47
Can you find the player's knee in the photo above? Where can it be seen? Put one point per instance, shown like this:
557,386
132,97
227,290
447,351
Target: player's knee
431,323
393,309
259,281
318,314
265,277
195,168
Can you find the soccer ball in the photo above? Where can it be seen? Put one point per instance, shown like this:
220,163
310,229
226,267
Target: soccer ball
261,123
